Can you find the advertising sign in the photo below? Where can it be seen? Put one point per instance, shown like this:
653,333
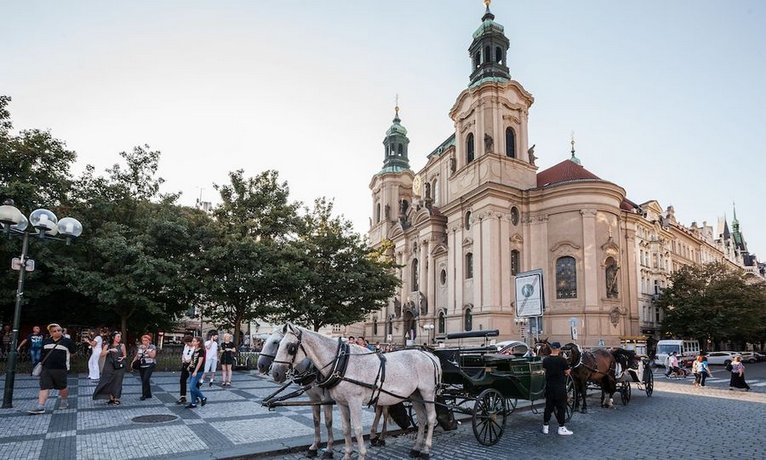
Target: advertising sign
529,294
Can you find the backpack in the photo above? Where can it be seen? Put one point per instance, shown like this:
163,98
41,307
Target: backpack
729,367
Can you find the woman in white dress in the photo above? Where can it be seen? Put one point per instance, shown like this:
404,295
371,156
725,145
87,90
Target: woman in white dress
95,341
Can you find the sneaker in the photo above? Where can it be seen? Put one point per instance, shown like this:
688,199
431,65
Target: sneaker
210,383
564,432
63,404
545,429
203,401
37,410
181,400
190,406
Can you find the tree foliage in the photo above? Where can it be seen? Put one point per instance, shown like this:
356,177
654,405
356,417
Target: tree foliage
713,302
335,277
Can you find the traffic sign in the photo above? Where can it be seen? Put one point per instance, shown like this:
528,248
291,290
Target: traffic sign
16,264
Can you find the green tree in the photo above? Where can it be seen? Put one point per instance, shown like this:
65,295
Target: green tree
240,269
713,302
335,277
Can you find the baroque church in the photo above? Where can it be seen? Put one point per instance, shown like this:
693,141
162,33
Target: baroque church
480,212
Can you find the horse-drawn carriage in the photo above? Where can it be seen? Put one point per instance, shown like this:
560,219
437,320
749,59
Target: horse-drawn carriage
641,376
493,382
474,381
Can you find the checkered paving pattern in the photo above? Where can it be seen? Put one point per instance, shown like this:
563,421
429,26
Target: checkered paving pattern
233,420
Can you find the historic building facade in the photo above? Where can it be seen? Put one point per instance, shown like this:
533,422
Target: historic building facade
480,211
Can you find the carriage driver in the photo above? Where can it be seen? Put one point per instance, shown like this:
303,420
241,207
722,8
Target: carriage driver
556,372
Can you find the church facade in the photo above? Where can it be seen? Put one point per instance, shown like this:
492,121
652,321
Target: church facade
480,212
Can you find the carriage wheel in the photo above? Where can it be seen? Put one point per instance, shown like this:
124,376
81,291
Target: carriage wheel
489,417
625,393
648,382
412,413
570,407
511,404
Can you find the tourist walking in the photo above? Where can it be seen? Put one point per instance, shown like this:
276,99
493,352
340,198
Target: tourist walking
110,385
704,370
35,340
556,371
227,359
55,360
186,356
195,372
696,370
96,344
672,365
211,357
145,356
738,375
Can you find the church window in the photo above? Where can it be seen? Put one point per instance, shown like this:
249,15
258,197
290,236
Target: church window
515,262
389,326
468,320
498,55
442,324
401,150
566,278
435,191
467,220
443,277
510,142
375,326
487,56
469,148
476,60
415,275
515,215
469,266
377,212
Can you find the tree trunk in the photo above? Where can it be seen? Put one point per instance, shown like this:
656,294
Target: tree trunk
237,325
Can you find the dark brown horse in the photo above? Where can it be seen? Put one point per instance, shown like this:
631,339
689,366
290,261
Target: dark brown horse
597,366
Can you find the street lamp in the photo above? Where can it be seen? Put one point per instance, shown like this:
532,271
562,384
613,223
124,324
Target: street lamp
428,328
42,224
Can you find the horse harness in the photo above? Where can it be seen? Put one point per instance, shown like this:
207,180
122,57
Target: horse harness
581,363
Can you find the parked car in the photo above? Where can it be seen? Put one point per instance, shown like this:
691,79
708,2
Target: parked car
721,357
748,356
760,356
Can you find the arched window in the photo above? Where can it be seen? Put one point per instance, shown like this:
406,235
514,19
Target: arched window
435,191
441,326
377,213
374,326
468,265
390,326
610,272
469,152
468,320
487,55
401,150
467,223
476,60
498,55
515,262
566,278
510,142
415,275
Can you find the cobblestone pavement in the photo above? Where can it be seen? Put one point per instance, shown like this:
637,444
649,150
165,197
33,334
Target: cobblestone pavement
710,422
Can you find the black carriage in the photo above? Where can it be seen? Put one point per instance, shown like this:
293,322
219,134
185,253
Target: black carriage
642,377
492,382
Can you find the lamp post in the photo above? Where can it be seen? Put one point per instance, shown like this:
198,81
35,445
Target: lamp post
428,328
42,224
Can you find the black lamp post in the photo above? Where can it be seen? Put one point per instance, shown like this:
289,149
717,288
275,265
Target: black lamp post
42,224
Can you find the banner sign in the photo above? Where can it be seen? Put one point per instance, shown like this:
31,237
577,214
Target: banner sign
530,300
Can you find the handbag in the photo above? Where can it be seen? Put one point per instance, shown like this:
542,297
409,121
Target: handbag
38,369
136,364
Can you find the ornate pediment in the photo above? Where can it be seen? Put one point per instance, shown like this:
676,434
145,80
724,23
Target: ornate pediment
610,248
565,248
467,241
517,239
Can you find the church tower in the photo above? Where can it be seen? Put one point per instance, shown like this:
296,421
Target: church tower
392,185
491,115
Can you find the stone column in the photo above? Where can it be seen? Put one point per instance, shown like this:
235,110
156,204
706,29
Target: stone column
591,268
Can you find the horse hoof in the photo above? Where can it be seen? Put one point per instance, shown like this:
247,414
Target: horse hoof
376,442
327,454
414,453
312,453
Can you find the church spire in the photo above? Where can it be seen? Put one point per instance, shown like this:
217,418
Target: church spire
489,51
573,159
396,143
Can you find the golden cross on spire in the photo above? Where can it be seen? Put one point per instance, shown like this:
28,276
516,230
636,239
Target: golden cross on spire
487,2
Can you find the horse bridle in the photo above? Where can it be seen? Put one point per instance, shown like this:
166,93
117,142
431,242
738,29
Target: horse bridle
292,349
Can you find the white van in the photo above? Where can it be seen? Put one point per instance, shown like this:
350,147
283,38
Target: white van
685,349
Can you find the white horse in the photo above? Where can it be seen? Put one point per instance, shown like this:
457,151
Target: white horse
317,395
356,377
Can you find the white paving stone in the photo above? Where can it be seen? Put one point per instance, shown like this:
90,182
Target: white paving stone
249,431
145,443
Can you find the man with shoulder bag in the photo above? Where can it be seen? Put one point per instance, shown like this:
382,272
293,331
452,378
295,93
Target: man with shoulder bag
54,366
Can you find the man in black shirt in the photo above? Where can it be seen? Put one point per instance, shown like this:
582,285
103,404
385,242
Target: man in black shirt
55,358
556,372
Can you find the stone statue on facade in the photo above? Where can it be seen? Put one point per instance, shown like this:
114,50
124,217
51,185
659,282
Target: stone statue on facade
397,307
488,142
531,153
611,281
423,303
452,165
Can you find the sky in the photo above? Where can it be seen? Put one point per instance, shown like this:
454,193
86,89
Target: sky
665,99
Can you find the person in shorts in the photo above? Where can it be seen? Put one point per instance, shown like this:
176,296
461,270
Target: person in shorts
211,358
55,358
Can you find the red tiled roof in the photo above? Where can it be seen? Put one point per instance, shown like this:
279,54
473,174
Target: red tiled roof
565,171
